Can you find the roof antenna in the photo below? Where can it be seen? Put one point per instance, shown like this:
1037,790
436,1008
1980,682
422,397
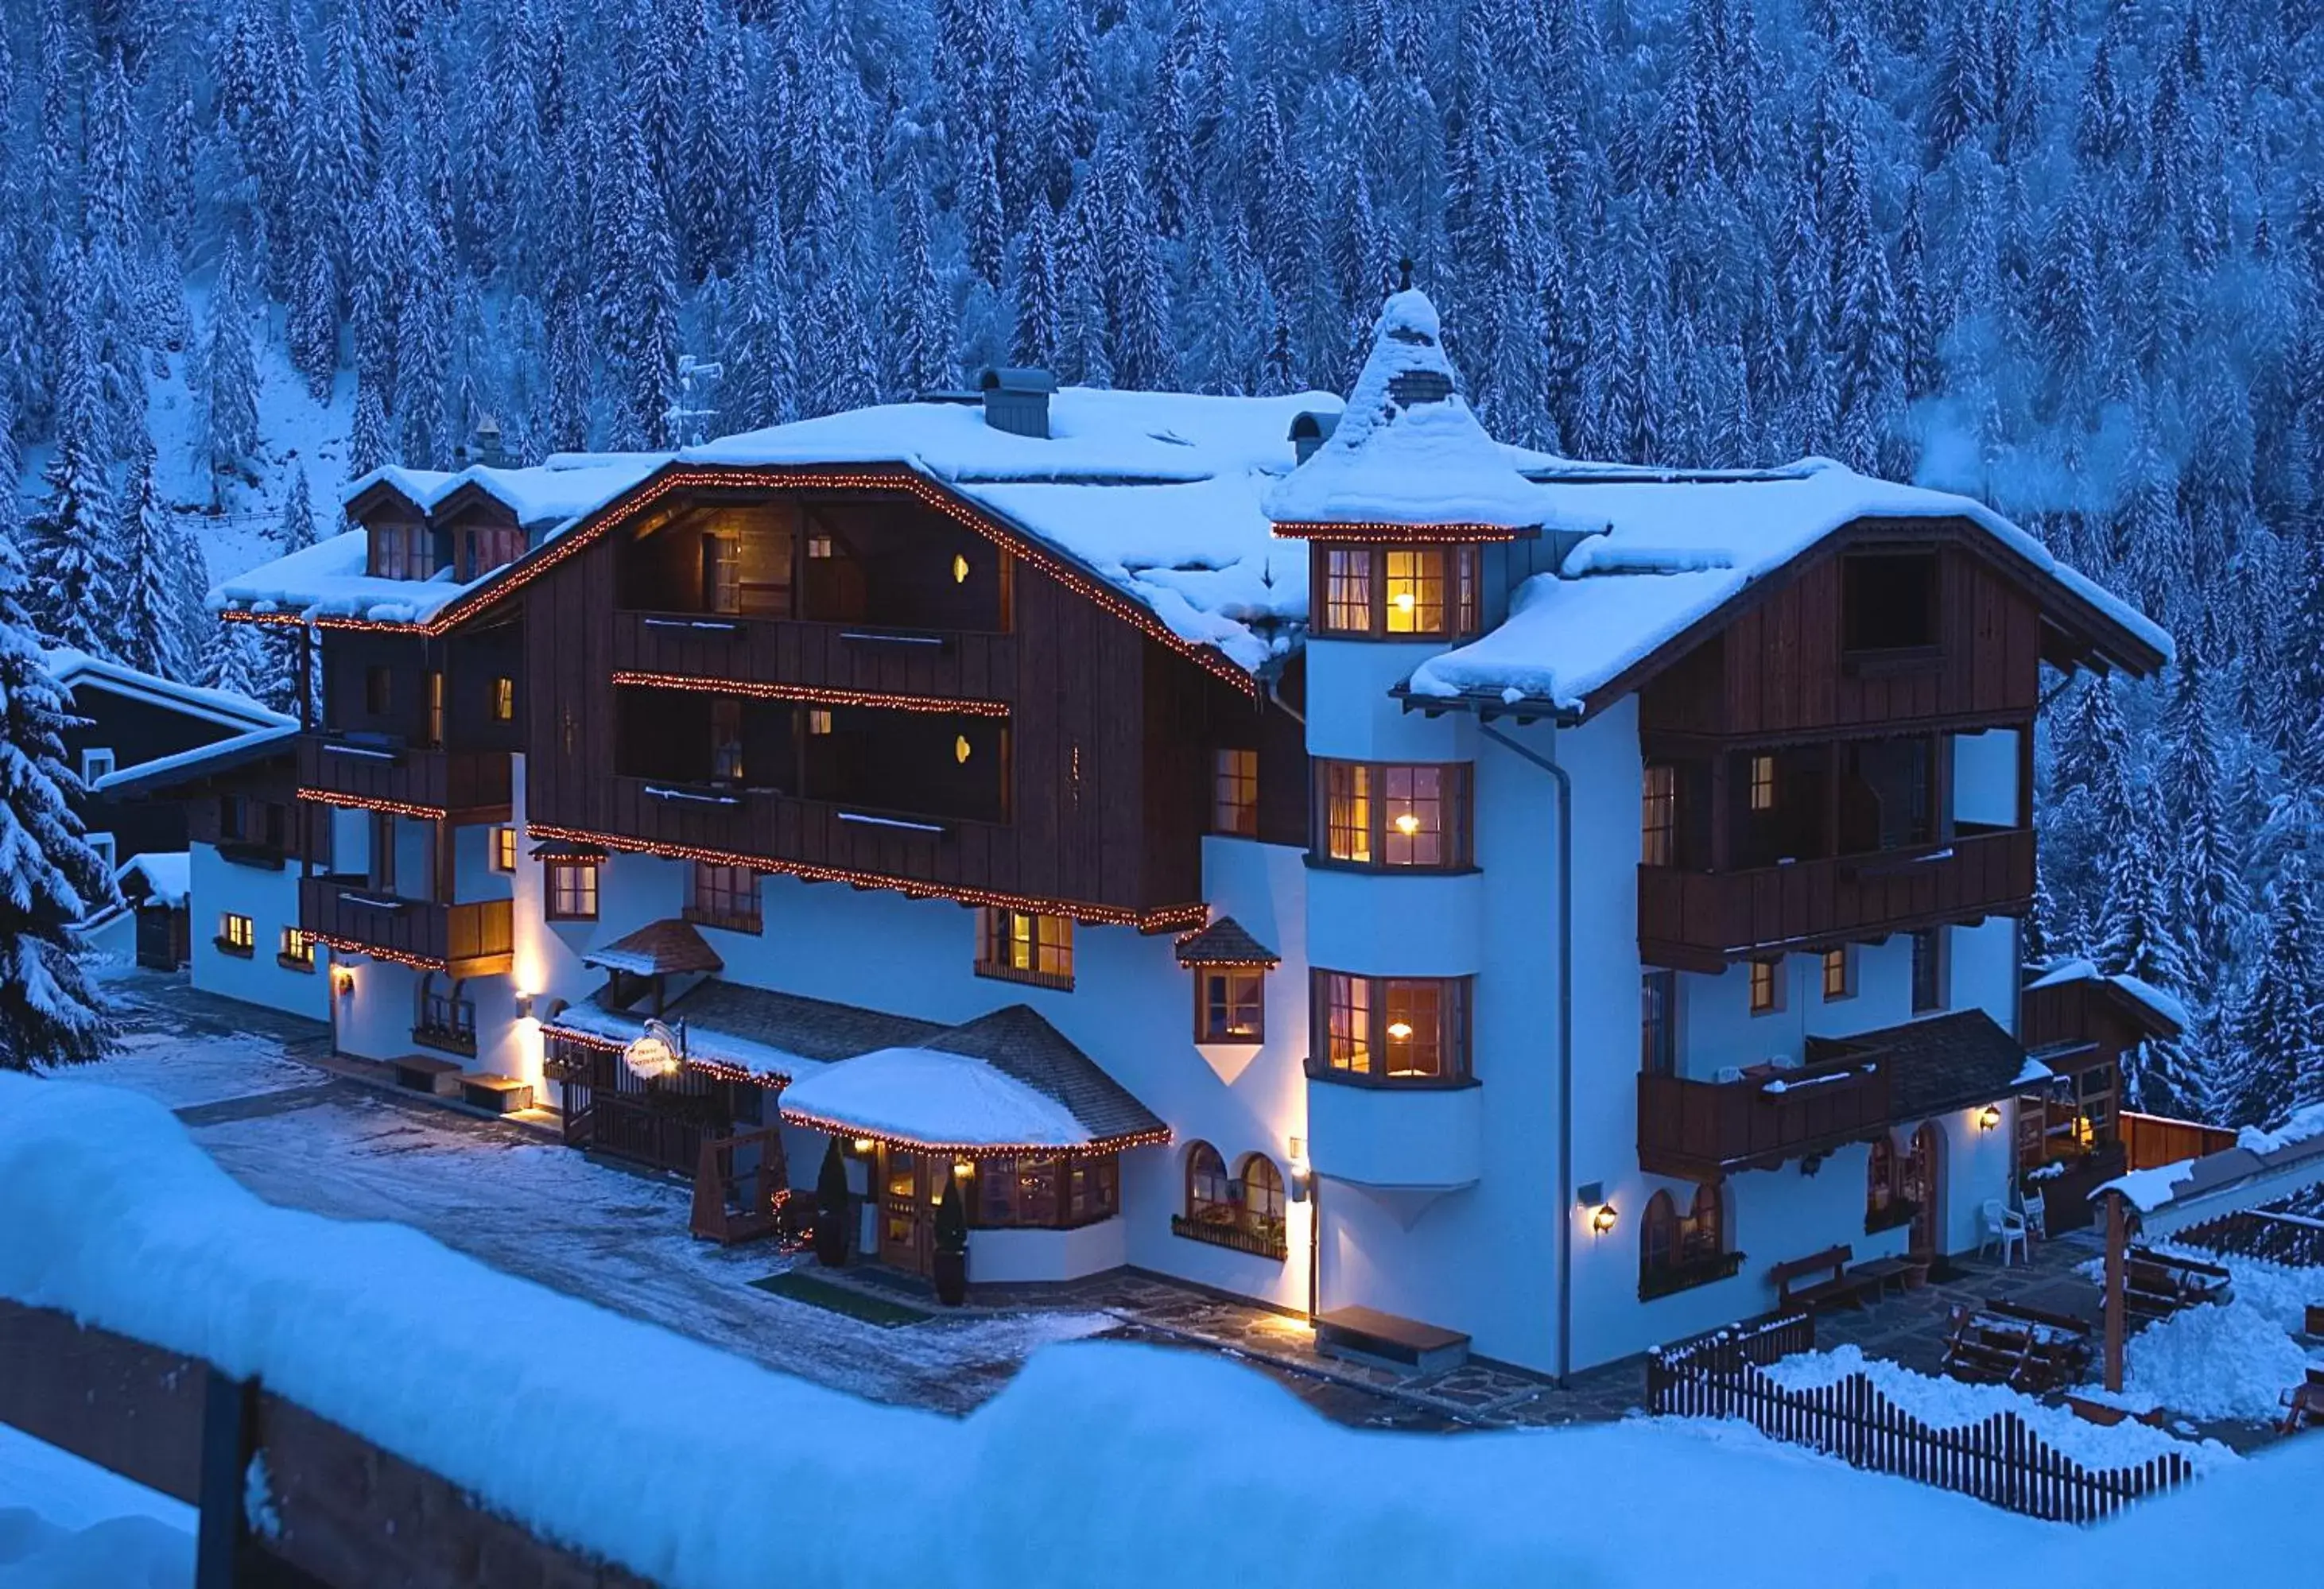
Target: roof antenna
1404,283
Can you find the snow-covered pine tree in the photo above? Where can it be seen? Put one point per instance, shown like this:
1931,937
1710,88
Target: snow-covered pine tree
368,447
229,381
73,542
2138,939
153,616
2278,1055
50,1013
2207,886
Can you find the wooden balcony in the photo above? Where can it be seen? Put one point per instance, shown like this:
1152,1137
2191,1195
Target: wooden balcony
473,940
1702,921
474,783
1700,1130
956,664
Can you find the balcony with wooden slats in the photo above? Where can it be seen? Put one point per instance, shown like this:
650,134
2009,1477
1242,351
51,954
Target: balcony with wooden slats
472,939
867,659
1702,1130
1702,921
473,784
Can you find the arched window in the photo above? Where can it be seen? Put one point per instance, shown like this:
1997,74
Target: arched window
1262,1197
1880,1196
1676,1250
1657,1237
446,1018
1210,1195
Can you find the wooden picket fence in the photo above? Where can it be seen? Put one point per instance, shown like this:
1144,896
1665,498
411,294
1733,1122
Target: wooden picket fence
1999,1461
2279,1235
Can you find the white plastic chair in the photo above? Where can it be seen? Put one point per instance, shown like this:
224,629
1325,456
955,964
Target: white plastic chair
2004,1229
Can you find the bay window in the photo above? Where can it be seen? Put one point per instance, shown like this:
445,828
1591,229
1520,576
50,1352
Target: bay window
1409,816
1392,1030
1396,593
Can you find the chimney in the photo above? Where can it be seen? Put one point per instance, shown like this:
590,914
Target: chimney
1309,431
1018,400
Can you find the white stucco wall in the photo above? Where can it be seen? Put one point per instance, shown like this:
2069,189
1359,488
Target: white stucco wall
270,900
997,1256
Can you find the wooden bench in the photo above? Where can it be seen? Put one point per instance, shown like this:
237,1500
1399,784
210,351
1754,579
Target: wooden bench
2026,1348
1877,1276
2155,1285
502,1095
1840,1284
427,1074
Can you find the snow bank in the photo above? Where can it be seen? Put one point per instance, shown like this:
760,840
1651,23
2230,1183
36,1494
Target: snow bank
69,1524
1947,1403
2216,1362
168,874
1183,1468
2304,1125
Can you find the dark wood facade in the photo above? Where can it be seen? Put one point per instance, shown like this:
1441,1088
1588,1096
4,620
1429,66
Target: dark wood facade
472,939
1104,752
1810,742
473,782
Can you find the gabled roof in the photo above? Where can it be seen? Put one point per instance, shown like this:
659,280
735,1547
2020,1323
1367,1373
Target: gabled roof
1662,560
1408,452
1224,943
236,713
2145,1005
1018,1043
202,761
665,948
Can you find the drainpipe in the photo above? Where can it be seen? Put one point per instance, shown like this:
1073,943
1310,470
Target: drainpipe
1548,764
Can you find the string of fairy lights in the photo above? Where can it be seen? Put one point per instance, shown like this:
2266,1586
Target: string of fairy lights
814,695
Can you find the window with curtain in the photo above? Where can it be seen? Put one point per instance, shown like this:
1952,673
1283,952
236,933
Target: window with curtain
1392,1030
1395,815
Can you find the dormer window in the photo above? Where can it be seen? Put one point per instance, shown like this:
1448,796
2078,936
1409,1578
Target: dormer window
492,546
400,551
1396,592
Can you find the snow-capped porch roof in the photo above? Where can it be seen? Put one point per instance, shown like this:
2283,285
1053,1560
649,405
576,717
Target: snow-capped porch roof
1660,554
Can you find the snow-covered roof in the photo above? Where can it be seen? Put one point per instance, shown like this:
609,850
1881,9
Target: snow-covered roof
216,756
1158,495
168,874
2163,1005
69,668
562,487
1664,551
1408,450
927,1096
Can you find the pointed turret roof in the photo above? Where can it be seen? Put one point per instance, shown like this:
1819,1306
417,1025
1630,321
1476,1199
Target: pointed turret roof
1408,451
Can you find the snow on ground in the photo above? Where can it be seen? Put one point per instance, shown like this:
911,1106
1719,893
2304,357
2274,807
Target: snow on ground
69,1524
1947,1403
2231,1360
308,1140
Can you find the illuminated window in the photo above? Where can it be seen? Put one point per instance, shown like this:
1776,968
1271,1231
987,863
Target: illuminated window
1763,783
1262,1197
1675,1252
721,574
1234,793
818,720
1393,814
1766,988
818,546
1044,1190
1658,845
503,841
1372,591
1348,811
237,935
1839,974
297,950
572,891
1348,591
1024,946
400,551
724,896
503,700
434,729
1210,1195
1229,1004
446,1016
1392,1029
1657,1023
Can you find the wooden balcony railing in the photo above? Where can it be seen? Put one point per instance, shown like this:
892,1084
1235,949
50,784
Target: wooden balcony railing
374,769
1699,1130
472,939
1702,921
954,663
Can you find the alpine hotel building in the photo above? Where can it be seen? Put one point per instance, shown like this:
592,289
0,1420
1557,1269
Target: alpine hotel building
1482,901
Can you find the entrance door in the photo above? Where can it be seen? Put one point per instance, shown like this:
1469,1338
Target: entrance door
1921,1186
904,1210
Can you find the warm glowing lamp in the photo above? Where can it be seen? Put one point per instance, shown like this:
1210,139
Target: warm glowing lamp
1399,1030
964,1168
1404,603
342,981
959,569
1601,1218
960,748
1407,824
1989,1116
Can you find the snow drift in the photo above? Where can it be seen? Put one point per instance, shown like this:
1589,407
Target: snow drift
1102,1463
